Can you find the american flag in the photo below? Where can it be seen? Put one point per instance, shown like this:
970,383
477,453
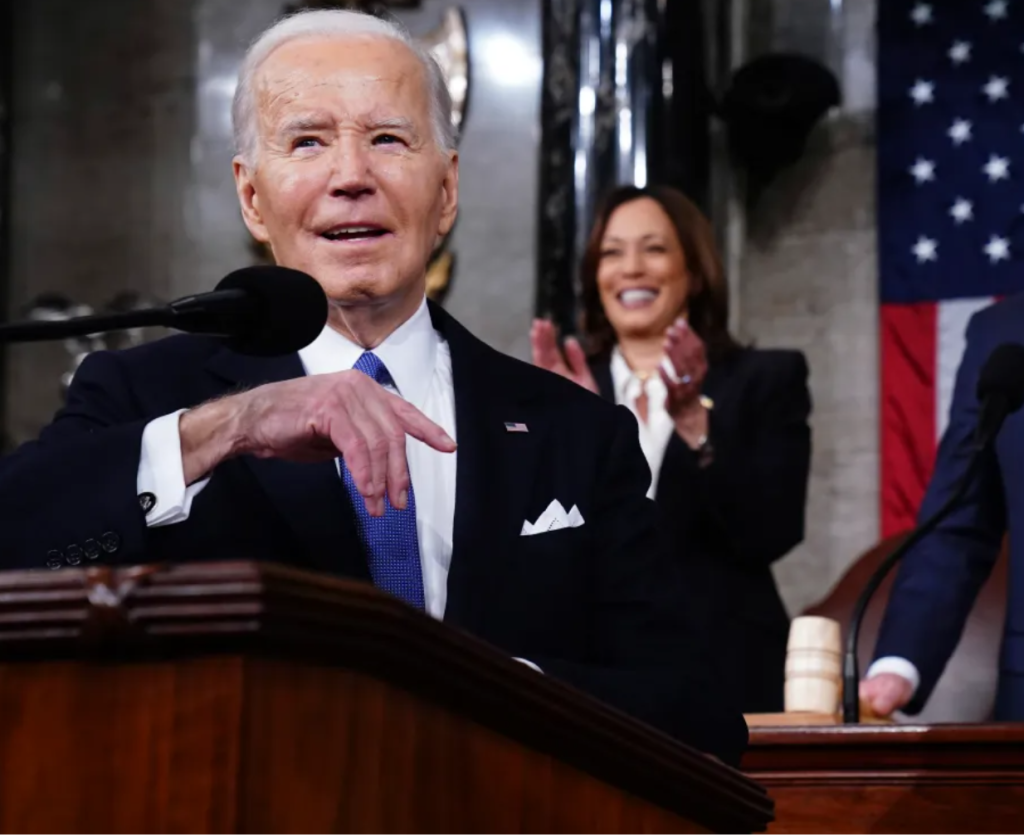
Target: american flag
516,427
950,212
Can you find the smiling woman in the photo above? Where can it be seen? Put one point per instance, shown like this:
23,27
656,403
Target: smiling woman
724,427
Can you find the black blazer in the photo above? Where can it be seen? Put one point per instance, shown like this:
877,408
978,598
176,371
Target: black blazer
597,606
729,521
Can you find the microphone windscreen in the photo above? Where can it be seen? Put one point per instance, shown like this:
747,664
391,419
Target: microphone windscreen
288,310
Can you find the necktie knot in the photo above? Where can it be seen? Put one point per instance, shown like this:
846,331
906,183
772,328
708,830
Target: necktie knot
373,367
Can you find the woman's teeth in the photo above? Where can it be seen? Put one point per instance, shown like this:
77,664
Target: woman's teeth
636,297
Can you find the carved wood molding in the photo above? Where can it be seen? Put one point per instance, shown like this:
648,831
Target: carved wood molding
242,607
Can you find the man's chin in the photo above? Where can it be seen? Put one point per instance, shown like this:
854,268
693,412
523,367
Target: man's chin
369,294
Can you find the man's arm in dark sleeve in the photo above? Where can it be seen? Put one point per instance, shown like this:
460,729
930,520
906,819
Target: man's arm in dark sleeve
939,580
72,493
650,657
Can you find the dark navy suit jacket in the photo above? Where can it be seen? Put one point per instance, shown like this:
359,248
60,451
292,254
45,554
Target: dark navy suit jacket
597,606
938,581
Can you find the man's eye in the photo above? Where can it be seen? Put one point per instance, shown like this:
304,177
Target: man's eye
385,139
307,142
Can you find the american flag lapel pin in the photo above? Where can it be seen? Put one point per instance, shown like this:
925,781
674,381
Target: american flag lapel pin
516,427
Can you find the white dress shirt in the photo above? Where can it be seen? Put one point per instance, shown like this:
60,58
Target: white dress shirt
656,432
896,665
420,364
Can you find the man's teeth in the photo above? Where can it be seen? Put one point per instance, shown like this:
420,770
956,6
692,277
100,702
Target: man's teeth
636,296
353,232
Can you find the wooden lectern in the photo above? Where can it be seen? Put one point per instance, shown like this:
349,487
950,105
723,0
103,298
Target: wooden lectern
928,779
244,697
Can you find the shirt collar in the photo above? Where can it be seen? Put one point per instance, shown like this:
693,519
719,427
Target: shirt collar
408,353
627,386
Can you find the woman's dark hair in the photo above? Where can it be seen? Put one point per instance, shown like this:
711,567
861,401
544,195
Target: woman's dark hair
708,303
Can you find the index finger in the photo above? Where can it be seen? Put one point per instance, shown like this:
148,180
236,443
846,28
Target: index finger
420,427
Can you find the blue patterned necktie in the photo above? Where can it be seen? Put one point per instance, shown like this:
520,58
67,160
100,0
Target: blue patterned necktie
390,541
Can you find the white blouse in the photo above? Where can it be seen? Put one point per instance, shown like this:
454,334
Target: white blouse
657,431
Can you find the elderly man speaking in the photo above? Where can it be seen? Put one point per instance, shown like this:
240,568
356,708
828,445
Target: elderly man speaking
533,532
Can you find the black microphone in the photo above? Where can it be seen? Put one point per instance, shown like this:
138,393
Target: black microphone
1000,391
262,310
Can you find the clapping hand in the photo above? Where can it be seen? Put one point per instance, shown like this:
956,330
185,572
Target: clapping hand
688,359
547,355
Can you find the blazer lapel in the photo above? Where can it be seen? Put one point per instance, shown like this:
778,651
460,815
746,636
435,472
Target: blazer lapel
495,469
311,497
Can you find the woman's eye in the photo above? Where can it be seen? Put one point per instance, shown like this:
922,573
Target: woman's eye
607,253
655,248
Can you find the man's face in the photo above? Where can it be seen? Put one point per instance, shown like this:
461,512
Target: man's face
348,184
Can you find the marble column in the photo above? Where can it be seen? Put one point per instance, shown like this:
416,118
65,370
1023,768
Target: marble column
624,100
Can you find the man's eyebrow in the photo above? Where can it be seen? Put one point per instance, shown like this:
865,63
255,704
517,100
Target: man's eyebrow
306,122
395,123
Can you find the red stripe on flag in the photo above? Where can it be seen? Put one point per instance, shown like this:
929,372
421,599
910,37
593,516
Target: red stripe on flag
908,443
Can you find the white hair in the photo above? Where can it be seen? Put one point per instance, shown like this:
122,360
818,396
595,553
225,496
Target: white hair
332,23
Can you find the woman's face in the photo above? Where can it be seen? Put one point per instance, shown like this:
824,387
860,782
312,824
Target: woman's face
641,274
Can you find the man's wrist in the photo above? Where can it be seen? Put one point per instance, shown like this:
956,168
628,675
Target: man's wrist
209,434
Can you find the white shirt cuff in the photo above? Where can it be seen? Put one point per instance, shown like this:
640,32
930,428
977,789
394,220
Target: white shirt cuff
161,477
534,666
896,665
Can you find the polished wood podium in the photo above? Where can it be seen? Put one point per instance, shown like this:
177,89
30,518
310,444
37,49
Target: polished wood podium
244,697
876,779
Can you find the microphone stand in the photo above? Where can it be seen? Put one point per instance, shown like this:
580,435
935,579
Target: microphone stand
212,313
851,673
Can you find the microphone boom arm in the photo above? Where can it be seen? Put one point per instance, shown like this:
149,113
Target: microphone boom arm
851,673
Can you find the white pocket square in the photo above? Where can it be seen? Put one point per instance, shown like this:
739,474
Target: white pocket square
553,519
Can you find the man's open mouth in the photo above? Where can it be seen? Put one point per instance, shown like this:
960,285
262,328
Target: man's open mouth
354,233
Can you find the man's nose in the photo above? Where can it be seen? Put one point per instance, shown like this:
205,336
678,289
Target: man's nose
351,173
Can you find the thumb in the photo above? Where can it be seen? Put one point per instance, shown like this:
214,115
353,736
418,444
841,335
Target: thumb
576,357
578,363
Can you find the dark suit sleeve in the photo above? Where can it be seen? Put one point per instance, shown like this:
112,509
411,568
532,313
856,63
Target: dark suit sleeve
74,489
749,503
939,580
647,658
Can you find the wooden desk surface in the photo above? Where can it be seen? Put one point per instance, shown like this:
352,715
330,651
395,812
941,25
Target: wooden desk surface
891,779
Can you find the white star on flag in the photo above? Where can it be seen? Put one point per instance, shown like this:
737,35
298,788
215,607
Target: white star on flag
996,10
960,52
996,88
962,210
997,168
925,249
923,170
922,92
921,14
997,249
960,131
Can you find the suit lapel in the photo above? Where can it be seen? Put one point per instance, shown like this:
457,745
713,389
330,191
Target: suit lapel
495,469
312,498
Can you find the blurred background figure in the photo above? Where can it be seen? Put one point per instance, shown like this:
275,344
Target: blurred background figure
724,427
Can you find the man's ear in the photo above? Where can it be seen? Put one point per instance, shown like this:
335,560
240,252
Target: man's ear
449,195
245,187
